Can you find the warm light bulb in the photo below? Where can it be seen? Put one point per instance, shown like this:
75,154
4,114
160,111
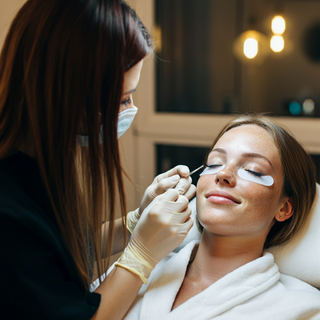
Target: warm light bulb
278,25
277,43
250,48
308,106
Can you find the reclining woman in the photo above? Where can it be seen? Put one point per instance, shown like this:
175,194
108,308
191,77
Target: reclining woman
256,192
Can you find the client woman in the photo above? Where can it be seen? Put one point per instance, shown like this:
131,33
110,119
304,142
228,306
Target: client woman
256,192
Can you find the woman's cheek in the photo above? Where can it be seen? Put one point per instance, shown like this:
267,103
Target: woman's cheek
203,182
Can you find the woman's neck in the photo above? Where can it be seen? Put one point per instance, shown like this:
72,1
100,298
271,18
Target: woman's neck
219,255
216,257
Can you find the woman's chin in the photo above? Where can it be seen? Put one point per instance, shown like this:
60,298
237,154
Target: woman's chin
217,224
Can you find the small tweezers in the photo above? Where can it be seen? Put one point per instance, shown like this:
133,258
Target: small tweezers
195,170
192,172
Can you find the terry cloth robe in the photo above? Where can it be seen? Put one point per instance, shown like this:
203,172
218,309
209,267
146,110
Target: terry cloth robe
254,291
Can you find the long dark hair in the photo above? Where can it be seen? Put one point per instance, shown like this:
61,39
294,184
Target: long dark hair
61,74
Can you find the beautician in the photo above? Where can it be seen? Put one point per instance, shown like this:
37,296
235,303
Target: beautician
67,73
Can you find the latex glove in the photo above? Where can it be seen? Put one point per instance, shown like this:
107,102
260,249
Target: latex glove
132,219
178,177
162,227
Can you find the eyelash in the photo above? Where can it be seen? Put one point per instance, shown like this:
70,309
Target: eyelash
257,174
126,102
213,165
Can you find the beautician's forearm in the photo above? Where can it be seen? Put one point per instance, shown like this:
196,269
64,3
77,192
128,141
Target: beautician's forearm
118,237
118,292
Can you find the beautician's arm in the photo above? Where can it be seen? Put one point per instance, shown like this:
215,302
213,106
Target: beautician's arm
118,237
118,292
160,229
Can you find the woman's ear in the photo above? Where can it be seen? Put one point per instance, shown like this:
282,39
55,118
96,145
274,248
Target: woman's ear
285,211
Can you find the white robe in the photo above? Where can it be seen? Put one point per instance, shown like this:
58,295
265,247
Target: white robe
254,291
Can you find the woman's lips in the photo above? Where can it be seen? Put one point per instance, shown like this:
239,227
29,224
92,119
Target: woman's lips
221,197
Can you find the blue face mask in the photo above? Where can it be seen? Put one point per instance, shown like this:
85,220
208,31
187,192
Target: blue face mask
125,119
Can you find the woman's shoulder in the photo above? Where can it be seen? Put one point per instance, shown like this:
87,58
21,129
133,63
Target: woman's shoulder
34,251
293,285
290,298
26,214
23,197
296,286
38,270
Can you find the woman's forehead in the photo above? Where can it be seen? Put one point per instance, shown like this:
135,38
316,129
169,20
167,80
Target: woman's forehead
246,134
247,139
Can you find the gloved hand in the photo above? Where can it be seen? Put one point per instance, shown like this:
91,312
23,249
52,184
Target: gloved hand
178,177
162,227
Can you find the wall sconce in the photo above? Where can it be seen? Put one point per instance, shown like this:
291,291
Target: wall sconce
278,26
251,47
277,43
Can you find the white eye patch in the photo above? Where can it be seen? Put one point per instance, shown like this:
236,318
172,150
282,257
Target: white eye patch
247,175
244,174
214,170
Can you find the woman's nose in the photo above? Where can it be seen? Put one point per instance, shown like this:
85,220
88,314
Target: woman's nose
226,176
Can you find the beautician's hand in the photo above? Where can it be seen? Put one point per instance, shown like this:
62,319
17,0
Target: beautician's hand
161,228
177,177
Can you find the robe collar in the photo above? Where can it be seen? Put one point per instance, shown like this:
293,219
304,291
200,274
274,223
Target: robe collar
231,290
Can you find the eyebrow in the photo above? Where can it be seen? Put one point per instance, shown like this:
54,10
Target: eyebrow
133,90
246,155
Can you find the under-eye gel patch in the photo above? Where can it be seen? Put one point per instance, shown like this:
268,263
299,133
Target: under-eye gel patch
214,170
247,175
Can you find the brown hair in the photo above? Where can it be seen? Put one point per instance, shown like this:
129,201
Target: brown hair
61,72
299,175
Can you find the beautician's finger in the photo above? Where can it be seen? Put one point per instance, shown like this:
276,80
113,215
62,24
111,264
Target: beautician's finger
170,195
182,170
177,218
166,183
191,192
173,203
185,215
172,206
185,228
183,186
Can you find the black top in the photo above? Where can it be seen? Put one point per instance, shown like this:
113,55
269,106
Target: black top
38,277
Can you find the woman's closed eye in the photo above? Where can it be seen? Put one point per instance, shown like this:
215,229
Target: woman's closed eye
254,176
212,169
257,174
213,165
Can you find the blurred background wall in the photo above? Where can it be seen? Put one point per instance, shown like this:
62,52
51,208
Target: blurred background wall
8,9
201,75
